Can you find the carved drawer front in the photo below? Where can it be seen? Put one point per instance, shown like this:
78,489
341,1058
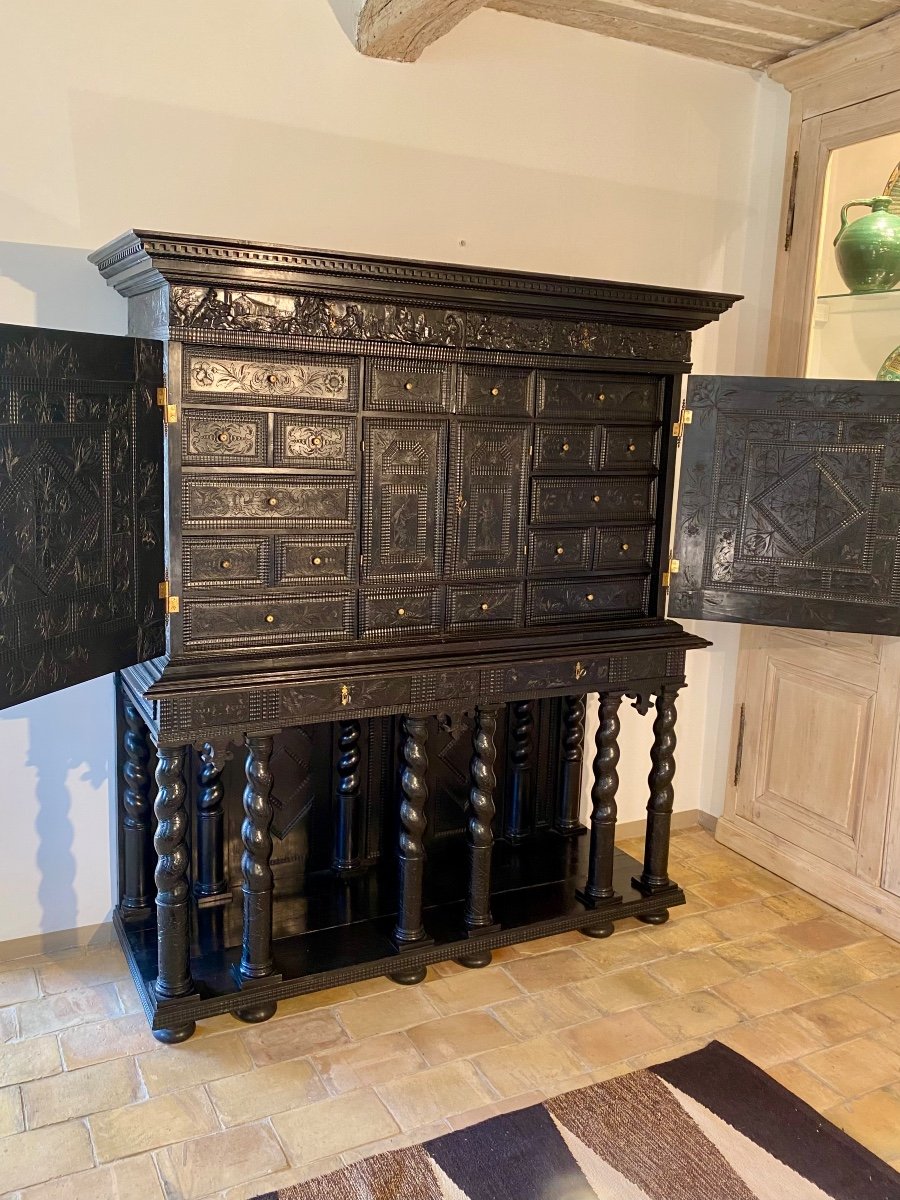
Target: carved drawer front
561,550
311,560
625,547
474,607
401,612
498,391
404,492
308,444
310,618
304,381
579,674
488,479
355,695
581,395
413,389
598,598
215,500
556,500
225,562
630,448
566,448
217,438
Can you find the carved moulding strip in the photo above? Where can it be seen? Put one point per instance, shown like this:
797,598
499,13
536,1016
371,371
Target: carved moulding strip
358,320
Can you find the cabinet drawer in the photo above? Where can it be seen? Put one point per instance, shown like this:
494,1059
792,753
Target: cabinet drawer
560,551
575,395
305,443
310,618
322,382
222,499
630,448
566,448
229,563
497,391
311,560
401,612
356,695
484,606
555,500
624,596
630,546
413,389
218,438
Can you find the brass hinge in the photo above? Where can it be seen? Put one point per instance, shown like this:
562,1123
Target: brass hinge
172,603
674,568
685,418
170,411
792,202
739,752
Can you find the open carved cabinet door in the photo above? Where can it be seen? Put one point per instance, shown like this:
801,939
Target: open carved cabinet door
81,508
788,506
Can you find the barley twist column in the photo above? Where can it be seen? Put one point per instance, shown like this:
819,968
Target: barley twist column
599,886
409,929
655,876
256,956
568,807
172,892
347,857
480,830
210,822
519,815
137,892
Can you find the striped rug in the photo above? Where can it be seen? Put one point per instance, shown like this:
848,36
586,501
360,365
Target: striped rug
708,1126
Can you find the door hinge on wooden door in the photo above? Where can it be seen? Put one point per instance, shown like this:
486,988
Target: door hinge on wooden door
674,568
792,202
172,603
739,752
170,411
685,417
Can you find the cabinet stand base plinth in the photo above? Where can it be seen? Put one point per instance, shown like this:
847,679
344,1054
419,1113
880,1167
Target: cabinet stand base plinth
259,1009
408,976
600,931
174,1034
658,918
475,959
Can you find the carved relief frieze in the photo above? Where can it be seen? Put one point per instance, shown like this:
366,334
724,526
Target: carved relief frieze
236,375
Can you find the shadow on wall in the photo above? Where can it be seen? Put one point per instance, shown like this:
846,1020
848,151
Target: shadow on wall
60,287
53,803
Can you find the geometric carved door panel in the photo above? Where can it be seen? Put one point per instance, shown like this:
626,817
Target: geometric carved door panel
488,480
403,521
81,508
789,504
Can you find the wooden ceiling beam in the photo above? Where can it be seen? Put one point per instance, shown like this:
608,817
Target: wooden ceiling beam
400,29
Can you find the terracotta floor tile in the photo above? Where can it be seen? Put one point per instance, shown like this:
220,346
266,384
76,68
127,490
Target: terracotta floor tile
839,1018
435,1094
9,1025
64,1009
822,933
131,1179
775,1038
292,1177
756,953
34,1059
883,995
265,1090
84,1045
873,1119
764,881
623,949
611,1039
295,1037
692,971
374,1060
459,1036
541,971
831,972
391,1011
496,1108
745,920
531,1065
408,1137
532,1016
691,934
880,955
630,988
174,1067
335,1125
474,989
797,906
42,1154
651,1058
136,1128
719,893
17,985
804,1084
852,1068
764,992
11,1117
82,968
80,1093
559,941
193,1169
698,1014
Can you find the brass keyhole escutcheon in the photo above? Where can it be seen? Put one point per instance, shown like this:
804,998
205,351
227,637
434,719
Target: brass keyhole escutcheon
225,564
596,499
601,396
401,612
273,502
272,378
270,618
409,385
631,447
495,391
317,561
566,447
485,606
345,695
624,546
560,550
223,436
589,596
580,671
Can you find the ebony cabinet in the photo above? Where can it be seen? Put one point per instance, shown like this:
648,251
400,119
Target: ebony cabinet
360,536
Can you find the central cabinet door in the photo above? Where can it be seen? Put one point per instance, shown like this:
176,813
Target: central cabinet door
488,481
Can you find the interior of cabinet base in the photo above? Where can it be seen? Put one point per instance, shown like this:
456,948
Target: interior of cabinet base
361,948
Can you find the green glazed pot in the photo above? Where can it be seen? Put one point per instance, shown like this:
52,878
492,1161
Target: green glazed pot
868,250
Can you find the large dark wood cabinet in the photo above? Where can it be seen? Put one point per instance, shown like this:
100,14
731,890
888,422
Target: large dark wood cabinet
407,518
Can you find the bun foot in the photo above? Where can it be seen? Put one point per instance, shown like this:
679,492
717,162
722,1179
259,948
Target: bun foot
599,931
657,918
175,1033
254,1014
408,976
478,958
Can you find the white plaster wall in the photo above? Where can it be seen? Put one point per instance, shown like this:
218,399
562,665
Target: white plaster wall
512,143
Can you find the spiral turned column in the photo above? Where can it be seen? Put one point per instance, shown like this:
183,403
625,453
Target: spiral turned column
655,876
210,822
347,858
599,886
172,892
480,811
566,820
409,930
137,892
256,955
519,815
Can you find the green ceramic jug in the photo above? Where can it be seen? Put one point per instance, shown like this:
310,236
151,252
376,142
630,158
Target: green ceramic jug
868,250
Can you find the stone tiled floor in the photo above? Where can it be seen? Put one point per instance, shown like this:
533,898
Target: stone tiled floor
92,1107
